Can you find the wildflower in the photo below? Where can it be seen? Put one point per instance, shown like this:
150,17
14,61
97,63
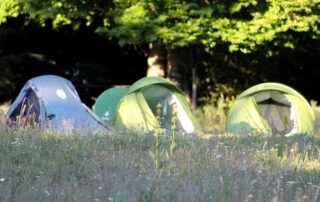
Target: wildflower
158,117
110,199
174,126
47,192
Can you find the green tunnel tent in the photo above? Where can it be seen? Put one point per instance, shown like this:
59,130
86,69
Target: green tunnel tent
271,108
106,104
137,108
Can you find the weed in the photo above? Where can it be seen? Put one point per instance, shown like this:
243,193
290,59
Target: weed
173,144
156,156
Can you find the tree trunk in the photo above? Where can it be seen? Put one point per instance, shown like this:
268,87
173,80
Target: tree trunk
175,64
156,60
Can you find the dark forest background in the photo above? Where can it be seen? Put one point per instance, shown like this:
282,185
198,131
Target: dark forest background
221,48
91,62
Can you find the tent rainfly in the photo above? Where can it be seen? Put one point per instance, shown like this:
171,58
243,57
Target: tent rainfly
107,102
137,109
52,101
271,108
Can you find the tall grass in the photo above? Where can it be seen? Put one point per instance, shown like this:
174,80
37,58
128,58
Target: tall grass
45,166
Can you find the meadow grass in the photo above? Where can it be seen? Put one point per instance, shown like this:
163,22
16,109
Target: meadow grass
46,166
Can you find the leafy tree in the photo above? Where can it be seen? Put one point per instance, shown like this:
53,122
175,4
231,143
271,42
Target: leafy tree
244,24
177,31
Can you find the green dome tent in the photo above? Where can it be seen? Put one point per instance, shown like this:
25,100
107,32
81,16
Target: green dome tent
106,104
271,108
137,108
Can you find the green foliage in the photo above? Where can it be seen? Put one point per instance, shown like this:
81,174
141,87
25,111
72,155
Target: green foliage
276,23
244,24
167,22
58,12
8,8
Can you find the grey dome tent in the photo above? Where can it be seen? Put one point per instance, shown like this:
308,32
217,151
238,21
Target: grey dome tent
52,101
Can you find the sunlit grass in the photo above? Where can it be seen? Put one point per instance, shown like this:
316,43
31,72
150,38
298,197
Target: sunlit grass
4,108
46,166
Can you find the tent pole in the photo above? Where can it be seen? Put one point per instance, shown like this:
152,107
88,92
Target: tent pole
194,89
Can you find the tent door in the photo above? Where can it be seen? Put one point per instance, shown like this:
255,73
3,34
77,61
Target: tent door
156,94
277,115
28,110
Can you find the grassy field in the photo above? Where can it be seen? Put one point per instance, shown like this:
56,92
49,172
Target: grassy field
43,166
